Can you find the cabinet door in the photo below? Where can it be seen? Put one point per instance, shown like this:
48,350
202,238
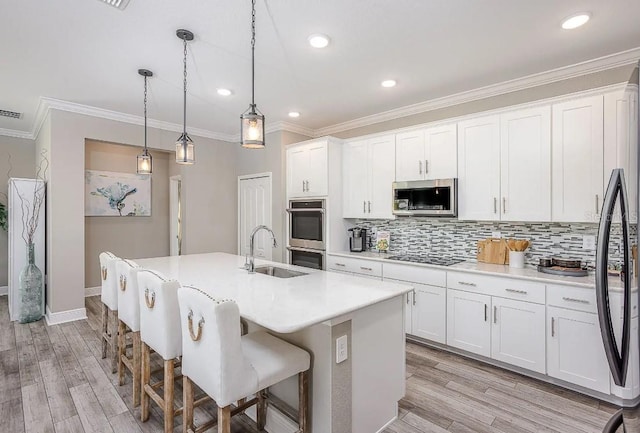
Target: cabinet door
577,160
354,175
429,319
518,333
631,389
479,168
525,169
381,174
297,166
441,152
468,325
410,156
621,143
318,175
575,352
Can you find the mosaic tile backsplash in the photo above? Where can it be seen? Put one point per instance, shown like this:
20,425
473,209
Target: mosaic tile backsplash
454,238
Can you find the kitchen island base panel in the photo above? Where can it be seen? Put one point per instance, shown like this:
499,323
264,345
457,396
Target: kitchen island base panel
359,395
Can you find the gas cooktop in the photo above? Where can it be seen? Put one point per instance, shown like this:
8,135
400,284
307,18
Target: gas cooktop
427,260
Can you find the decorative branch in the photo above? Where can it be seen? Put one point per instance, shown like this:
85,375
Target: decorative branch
31,208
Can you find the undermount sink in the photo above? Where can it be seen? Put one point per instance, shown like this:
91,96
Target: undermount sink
275,271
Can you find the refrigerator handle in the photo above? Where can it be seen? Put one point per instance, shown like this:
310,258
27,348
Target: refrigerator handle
618,359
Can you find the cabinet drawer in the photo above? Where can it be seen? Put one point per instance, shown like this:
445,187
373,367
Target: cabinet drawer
357,266
415,274
510,288
572,298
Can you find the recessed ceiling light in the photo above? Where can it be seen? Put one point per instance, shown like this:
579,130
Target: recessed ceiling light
294,114
575,21
388,83
318,41
224,92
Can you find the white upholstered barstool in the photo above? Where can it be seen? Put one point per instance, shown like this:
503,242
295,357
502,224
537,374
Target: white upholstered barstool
109,298
231,367
129,323
159,330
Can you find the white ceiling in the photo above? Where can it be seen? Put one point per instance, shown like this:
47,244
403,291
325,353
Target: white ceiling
86,52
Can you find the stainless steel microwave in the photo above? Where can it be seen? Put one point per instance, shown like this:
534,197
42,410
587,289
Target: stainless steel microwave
426,198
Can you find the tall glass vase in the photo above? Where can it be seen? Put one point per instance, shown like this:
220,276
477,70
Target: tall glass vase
31,290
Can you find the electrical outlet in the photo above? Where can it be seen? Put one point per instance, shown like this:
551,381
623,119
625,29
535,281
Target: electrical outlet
497,235
341,349
588,242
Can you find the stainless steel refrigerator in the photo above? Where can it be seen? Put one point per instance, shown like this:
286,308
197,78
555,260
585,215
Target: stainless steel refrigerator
626,420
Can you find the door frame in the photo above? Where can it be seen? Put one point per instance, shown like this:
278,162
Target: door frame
269,176
177,201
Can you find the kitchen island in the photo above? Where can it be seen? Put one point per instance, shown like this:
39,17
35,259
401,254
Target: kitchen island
358,394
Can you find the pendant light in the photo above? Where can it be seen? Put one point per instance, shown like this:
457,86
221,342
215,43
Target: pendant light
144,162
184,145
252,120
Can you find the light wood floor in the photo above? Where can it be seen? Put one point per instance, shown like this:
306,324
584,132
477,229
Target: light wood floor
53,380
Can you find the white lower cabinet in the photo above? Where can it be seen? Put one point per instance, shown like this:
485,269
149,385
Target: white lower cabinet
575,352
429,313
468,325
517,333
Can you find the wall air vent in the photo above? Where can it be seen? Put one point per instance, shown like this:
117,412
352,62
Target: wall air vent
10,114
120,4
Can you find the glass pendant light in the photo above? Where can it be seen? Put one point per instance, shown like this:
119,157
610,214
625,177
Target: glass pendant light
144,162
184,145
252,120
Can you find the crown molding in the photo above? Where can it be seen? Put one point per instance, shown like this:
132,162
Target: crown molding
290,127
566,72
16,133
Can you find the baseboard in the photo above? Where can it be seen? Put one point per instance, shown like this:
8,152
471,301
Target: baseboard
4,290
391,421
92,291
65,316
276,421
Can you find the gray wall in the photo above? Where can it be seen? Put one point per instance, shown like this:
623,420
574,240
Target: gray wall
272,159
590,81
126,236
23,160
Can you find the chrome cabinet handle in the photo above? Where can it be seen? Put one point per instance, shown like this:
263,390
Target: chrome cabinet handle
522,292
495,314
553,326
485,312
342,265
419,167
462,283
597,205
369,204
303,187
413,295
581,301
408,294
365,268
364,206
495,205
426,166
504,205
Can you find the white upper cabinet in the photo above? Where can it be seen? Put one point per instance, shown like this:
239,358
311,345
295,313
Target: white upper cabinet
479,168
429,153
368,174
621,142
307,170
525,166
577,160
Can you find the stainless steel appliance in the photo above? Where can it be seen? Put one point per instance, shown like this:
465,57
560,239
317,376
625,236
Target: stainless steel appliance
428,260
307,233
426,198
307,224
358,240
618,351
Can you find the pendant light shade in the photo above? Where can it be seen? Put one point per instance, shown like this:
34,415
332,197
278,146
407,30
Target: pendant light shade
144,162
185,151
252,120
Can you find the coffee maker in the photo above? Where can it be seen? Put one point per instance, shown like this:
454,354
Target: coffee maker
357,240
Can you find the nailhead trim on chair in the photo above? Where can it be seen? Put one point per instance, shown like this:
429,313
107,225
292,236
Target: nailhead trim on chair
216,300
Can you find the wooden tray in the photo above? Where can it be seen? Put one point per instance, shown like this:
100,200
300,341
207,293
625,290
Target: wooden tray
493,250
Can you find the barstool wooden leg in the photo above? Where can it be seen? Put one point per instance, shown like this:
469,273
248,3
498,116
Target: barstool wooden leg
137,370
122,350
114,342
224,419
261,410
168,396
105,330
187,404
146,377
303,401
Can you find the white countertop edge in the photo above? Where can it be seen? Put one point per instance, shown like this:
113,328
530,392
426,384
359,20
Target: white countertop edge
497,271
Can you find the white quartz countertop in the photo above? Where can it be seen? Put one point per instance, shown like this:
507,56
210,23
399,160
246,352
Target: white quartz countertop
528,273
282,305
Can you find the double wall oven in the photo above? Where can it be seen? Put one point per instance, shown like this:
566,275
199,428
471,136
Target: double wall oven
307,233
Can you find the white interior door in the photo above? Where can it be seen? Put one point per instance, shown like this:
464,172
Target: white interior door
254,202
175,215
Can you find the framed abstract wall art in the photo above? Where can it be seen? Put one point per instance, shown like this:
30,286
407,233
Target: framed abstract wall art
116,194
